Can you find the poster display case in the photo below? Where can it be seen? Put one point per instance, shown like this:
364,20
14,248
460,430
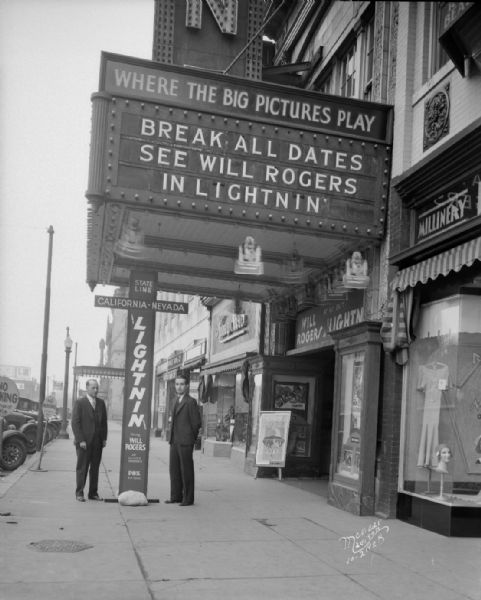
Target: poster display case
296,394
356,395
349,426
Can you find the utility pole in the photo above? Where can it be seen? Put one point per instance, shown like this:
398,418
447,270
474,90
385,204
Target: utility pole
46,319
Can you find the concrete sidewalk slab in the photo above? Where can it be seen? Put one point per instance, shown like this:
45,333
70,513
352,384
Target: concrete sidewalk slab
105,590
243,539
280,588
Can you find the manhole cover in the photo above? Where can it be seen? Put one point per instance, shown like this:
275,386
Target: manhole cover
59,546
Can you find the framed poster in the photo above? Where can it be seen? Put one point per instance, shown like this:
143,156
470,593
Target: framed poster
291,396
272,438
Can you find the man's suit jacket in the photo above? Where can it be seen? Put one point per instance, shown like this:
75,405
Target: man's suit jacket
185,423
85,421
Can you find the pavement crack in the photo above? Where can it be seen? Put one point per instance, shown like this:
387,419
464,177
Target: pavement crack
265,522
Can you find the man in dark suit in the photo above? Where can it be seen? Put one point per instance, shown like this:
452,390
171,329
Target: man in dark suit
89,426
184,428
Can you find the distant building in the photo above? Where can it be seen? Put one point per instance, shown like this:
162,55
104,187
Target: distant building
28,386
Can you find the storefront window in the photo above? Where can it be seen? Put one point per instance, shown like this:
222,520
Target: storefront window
349,425
255,410
442,450
241,414
220,412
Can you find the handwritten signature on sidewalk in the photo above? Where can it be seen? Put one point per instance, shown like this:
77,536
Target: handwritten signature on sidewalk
365,540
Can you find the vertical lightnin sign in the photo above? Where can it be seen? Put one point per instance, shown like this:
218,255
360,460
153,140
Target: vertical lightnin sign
134,458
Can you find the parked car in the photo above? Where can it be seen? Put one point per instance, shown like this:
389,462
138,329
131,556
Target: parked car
26,422
18,418
29,430
14,448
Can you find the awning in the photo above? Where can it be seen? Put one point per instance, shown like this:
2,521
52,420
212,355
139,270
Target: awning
442,264
194,363
99,372
231,366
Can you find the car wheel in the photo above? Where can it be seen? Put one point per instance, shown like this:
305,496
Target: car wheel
31,434
14,453
50,433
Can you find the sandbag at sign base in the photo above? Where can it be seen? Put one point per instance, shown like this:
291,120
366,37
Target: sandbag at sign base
132,498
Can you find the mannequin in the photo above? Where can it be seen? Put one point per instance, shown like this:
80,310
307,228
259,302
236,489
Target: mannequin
444,455
432,381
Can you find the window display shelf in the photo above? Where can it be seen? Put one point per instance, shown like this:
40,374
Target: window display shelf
449,499
461,519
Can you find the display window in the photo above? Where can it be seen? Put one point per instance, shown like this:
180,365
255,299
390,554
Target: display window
442,403
240,419
255,410
219,413
349,424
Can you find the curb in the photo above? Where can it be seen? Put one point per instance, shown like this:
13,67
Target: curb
10,478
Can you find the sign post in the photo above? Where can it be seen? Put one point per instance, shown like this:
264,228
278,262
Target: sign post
139,354
8,402
8,395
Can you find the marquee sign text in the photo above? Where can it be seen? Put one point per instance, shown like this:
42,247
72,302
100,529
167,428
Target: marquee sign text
314,326
174,139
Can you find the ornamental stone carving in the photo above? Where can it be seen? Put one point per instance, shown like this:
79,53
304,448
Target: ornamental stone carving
436,117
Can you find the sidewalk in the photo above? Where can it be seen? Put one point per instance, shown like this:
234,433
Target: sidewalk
244,538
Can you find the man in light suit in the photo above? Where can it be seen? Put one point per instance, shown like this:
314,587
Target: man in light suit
185,424
89,426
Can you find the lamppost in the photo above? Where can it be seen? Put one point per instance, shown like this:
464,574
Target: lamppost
74,378
46,321
68,343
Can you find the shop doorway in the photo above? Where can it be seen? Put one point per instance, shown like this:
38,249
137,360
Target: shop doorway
309,396
325,403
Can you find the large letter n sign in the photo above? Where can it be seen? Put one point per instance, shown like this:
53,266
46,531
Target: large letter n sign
224,12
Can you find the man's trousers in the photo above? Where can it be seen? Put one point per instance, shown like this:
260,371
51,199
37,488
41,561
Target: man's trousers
181,469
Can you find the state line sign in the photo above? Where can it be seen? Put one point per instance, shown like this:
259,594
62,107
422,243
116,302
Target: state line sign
141,304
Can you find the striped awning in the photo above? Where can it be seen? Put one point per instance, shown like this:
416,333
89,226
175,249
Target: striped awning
231,366
99,372
442,264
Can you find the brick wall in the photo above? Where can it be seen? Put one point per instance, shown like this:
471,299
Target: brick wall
388,439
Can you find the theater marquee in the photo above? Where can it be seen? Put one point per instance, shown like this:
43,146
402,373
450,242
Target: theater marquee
183,141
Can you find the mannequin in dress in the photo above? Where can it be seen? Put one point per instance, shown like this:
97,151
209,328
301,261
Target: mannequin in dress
444,455
432,381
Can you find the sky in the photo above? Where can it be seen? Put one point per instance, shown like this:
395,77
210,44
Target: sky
49,67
